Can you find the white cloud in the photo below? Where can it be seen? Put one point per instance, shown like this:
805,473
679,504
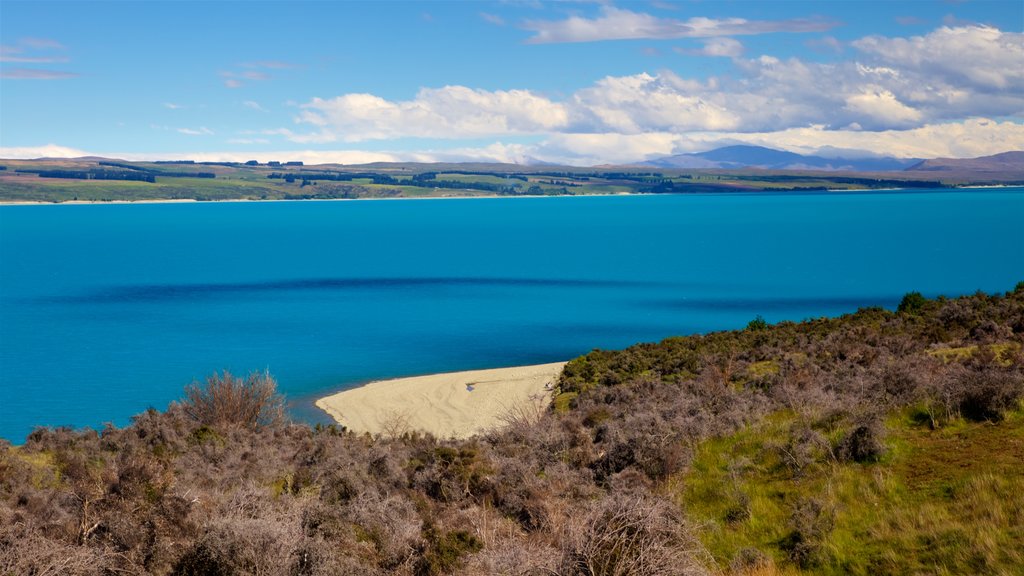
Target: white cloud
493,18
882,89
27,51
46,151
644,103
34,74
172,106
967,139
882,106
621,24
201,131
728,47
448,112
253,105
982,57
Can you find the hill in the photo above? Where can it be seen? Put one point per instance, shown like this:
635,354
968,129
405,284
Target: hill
878,442
742,156
1005,162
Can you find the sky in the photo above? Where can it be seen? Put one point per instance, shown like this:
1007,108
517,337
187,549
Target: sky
571,82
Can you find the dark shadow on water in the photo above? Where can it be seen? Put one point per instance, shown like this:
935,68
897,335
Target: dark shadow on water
174,292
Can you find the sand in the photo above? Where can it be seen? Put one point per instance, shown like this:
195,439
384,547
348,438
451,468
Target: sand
452,405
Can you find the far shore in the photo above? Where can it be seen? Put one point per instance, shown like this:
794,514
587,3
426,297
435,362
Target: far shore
450,405
194,201
482,196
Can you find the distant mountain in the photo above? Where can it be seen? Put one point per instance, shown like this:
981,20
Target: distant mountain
733,157
1005,162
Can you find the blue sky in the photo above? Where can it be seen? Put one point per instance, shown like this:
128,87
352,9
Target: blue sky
573,82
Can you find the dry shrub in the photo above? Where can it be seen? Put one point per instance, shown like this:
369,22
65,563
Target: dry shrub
632,537
987,394
22,552
811,522
226,400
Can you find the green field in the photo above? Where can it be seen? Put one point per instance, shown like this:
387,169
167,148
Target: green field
21,181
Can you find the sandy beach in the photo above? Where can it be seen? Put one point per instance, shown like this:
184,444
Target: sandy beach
455,404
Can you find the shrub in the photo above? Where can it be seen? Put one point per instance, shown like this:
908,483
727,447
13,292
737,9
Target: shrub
758,323
634,537
226,400
811,523
988,394
445,551
863,443
912,303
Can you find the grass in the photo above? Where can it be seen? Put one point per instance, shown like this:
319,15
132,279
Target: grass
946,501
251,182
1002,352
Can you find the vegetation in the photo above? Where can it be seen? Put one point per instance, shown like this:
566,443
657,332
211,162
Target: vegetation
874,443
60,180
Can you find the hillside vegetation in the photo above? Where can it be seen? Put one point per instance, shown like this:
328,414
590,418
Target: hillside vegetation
878,442
99,180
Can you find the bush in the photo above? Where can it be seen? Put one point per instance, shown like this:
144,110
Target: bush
988,394
758,323
226,400
912,303
863,443
445,551
811,523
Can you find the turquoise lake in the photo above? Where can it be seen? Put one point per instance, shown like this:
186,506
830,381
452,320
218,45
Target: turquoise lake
106,310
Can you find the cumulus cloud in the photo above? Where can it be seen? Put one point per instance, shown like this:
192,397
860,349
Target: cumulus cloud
982,57
448,112
644,103
882,106
726,47
890,84
253,105
621,24
45,151
967,139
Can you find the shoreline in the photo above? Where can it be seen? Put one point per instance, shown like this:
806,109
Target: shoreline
447,405
493,196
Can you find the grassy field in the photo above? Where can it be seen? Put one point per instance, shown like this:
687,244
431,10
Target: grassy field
20,181
946,501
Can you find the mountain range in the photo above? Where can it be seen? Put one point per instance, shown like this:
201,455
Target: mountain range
743,156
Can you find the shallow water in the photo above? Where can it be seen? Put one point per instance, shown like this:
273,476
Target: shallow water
106,310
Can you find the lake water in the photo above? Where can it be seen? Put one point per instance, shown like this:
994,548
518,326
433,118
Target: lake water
106,310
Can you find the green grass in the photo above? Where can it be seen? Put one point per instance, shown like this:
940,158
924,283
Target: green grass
251,182
947,501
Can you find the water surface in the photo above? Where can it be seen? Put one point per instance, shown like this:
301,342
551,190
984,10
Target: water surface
106,310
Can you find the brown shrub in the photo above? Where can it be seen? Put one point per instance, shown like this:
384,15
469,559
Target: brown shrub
632,537
227,400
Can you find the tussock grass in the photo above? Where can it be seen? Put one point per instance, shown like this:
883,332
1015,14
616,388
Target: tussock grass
947,501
